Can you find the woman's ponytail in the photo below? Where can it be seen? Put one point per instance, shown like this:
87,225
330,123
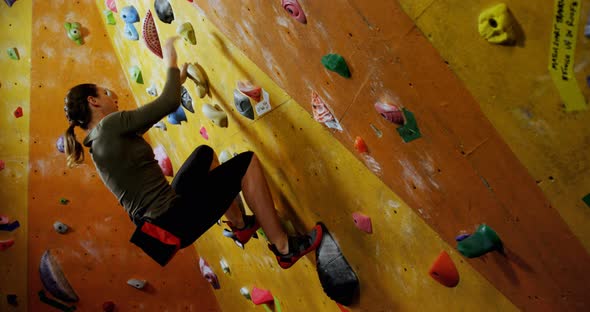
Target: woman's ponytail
74,150
78,114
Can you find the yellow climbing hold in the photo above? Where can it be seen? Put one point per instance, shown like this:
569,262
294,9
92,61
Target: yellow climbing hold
496,25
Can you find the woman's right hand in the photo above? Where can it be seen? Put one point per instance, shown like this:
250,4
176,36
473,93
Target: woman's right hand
169,52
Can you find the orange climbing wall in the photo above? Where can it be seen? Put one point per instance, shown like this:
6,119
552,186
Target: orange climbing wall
95,255
15,31
461,173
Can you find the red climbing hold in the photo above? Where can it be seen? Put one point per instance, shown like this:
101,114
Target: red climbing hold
108,306
18,112
295,10
2,165
342,308
5,244
163,161
111,5
150,35
250,90
362,222
360,146
261,296
443,270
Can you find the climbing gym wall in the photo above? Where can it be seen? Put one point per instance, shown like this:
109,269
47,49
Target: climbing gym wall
94,254
15,70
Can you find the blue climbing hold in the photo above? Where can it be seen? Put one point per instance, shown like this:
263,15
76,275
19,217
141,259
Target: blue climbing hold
130,32
177,117
129,14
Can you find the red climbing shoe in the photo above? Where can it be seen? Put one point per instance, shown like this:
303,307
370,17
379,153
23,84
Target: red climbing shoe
242,236
299,246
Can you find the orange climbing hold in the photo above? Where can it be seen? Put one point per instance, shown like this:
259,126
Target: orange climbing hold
443,270
360,146
261,296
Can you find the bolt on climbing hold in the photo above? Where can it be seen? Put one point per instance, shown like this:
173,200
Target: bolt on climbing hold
11,299
409,131
18,112
246,293
224,156
261,296
4,219
360,146
461,237
54,303
60,228
208,273
203,132
321,112
54,279
337,64
108,306
252,91
110,17
60,144
496,25
224,266
136,283
362,222
5,244
186,100
64,201
130,32
586,199
10,2
177,117
215,114
163,161
444,271
2,165
9,226
152,90
164,11
294,9
160,125
150,35
74,32
482,241
243,105
187,32
111,4
390,112
135,74
196,73
129,14
13,54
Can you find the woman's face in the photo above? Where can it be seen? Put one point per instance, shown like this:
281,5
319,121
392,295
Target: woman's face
107,99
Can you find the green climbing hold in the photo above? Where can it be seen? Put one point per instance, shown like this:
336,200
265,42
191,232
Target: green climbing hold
13,54
135,73
586,199
409,131
63,201
110,17
479,243
336,63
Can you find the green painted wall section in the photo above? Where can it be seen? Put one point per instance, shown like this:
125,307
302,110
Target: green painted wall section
15,77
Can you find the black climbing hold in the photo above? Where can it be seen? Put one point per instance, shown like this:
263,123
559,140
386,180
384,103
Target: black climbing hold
586,199
243,105
10,226
11,300
186,100
164,11
336,276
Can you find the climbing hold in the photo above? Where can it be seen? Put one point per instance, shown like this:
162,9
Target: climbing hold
337,64
378,132
409,131
2,165
461,237
13,54
246,293
203,132
163,160
208,273
54,279
11,300
321,112
130,32
342,308
586,199
587,28
18,112
187,32
60,228
9,227
164,11
129,14
254,92
224,156
337,277
484,240
152,90
390,112
496,25
177,117
74,31
136,283
360,146
261,296
4,219
197,75
243,105
110,17
108,306
135,73
54,303
60,144
362,222
263,106
64,201
10,2
150,35
443,270
224,266
295,10
112,5
160,125
186,100
5,244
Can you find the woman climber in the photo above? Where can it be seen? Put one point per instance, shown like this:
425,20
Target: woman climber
172,216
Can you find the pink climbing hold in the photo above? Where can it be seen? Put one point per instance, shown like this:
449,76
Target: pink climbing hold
2,165
261,296
4,219
295,10
5,244
18,112
208,273
204,133
250,90
362,222
390,112
111,5
320,110
163,161
150,35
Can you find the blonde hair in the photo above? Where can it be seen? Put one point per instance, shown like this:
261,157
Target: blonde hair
78,114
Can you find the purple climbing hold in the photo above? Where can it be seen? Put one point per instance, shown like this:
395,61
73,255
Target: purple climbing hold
10,2
60,144
461,237
9,226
